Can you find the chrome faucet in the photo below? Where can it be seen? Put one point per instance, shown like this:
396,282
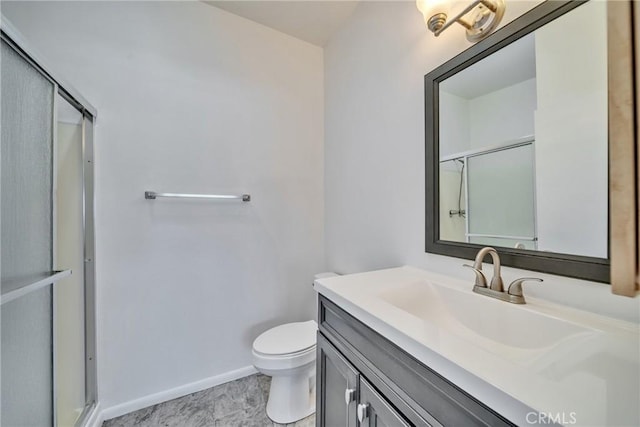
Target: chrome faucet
496,288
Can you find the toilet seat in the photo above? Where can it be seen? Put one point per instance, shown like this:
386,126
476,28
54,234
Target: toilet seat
287,339
268,364
288,346
311,349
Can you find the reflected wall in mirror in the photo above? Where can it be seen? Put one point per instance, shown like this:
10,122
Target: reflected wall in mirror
518,144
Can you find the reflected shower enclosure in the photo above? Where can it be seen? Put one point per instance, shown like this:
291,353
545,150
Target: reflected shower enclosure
488,197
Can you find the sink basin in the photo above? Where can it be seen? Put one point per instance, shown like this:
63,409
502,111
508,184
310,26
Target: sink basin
493,324
539,356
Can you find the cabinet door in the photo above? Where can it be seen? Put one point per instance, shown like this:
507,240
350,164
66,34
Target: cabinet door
374,411
337,387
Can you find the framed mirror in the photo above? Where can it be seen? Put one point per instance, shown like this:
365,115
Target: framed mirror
516,134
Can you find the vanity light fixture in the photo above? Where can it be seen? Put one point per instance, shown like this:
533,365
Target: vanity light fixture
484,16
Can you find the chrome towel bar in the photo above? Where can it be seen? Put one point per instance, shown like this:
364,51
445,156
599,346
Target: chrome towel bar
152,195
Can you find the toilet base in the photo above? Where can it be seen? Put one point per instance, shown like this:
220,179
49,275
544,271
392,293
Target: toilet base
292,397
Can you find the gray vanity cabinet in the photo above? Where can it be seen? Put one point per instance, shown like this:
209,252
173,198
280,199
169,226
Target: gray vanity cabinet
375,411
337,387
362,375
344,396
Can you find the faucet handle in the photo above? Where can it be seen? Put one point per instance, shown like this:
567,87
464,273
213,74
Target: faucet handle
481,280
515,288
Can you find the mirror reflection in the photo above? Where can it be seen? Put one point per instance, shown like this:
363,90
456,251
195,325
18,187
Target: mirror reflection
523,142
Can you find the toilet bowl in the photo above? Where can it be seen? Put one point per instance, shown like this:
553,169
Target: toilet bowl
287,353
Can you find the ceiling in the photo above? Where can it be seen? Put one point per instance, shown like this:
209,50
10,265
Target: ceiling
311,21
506,67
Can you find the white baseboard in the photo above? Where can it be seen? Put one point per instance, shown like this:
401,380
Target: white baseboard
174,393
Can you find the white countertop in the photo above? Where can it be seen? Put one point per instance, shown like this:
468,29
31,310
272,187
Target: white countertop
590,379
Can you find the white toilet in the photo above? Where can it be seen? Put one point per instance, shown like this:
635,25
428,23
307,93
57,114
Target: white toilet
287,353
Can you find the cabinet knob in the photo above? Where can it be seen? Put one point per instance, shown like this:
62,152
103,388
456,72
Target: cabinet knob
363,408
349,395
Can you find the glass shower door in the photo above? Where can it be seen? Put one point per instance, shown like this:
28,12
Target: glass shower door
501,198
26,242
47,273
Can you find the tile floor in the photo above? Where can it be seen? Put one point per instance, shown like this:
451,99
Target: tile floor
237,403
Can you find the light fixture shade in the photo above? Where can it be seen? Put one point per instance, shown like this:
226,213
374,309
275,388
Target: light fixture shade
429,8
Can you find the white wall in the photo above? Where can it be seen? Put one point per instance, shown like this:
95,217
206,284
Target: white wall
374,151
191,99
503,115
571,133
496,117
454,124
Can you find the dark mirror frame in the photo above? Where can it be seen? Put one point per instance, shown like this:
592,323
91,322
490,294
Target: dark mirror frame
582,267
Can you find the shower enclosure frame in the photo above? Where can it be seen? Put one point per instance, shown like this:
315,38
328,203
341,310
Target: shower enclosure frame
18,43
